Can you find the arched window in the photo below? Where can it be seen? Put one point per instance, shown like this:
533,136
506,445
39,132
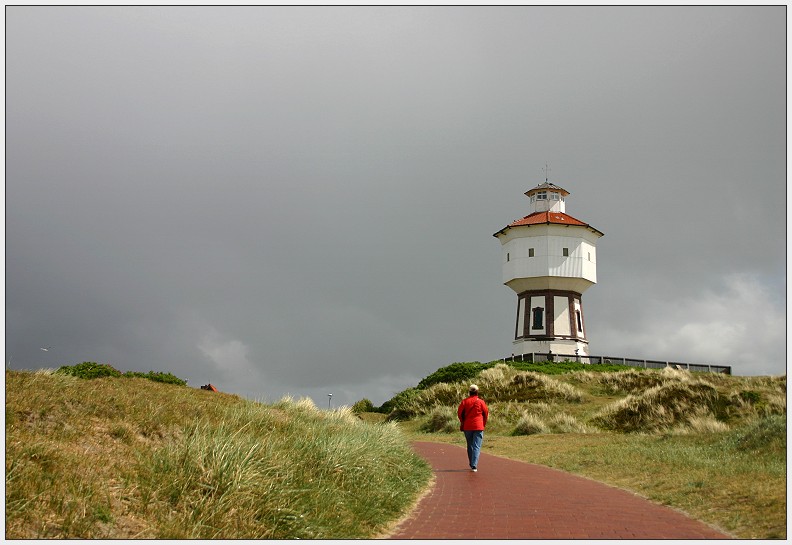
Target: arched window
538,318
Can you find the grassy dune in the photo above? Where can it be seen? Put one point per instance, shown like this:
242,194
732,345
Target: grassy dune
711,445
131,458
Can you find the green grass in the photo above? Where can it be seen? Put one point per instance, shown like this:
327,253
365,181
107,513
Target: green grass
131,458
91,370
128,457
711,445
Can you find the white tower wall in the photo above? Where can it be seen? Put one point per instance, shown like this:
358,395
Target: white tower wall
533,257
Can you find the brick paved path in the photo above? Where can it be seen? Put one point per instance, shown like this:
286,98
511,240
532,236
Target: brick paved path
507,499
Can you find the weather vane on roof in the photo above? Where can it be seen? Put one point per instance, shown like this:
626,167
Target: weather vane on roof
546,170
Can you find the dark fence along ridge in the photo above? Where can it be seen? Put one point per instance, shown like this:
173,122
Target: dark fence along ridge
649,364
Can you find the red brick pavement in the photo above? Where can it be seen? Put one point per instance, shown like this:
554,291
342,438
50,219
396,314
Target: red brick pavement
507,499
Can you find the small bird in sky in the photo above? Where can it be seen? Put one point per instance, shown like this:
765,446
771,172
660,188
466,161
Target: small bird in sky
46,349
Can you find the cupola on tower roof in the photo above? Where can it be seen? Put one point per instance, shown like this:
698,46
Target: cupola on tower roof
548,206
546,197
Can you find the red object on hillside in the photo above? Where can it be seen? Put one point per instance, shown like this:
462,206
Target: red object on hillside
209,387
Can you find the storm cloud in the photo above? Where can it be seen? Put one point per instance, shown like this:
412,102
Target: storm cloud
301,200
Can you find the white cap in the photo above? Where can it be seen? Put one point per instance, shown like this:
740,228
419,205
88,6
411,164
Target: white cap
473,387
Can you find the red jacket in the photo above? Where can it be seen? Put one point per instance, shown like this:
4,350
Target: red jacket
473,413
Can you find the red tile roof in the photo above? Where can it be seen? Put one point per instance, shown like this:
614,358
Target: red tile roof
547,217
558,218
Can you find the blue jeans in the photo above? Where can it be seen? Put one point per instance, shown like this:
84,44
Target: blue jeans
473,439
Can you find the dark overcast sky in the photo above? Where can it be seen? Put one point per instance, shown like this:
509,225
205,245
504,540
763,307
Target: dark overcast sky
301,200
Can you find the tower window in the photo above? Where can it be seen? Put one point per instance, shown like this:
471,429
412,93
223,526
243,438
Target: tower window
554,196
538,318
542,195
530,252
566,252
579,321
507,257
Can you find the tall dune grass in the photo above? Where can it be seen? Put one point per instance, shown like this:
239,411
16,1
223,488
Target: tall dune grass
530,424
442,420
128,458
549,422
622,382
660,407
684,402
647,400
500,383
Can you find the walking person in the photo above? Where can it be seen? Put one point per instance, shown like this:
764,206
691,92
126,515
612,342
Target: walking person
473,414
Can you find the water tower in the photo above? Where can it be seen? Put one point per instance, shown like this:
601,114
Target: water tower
549,260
